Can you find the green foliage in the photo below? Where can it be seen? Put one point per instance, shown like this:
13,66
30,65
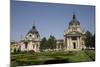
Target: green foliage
18,51
48,44
44,57
43,44
91,54
23,52
89,40
52,42
15,51
93,41
31,52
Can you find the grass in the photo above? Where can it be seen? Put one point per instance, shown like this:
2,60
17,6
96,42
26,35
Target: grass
51,58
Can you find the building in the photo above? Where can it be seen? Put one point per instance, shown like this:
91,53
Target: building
14,47
31,42
74,36
59,44
73,39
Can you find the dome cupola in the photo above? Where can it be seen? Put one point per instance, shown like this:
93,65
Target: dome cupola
74,21
33,30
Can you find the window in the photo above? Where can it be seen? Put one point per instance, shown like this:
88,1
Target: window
74,28
30,35
25,44
74,38
37,36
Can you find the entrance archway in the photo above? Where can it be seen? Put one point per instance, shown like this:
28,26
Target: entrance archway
74,45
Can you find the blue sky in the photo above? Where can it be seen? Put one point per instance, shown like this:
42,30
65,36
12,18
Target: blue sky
49,19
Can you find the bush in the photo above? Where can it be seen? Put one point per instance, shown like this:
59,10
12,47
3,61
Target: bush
23,52
91,54
31,52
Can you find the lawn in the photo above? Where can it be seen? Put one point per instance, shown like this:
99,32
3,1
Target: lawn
52,57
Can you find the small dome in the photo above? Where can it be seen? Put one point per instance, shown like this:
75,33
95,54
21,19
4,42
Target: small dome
33,31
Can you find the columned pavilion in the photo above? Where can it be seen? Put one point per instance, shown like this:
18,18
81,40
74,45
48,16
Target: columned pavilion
74,36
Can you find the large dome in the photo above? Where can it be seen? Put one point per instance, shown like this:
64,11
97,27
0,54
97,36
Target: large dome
74,21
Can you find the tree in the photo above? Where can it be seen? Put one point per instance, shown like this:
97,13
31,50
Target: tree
43,44
51,42
18,51
89,40
48,44
15,51
93,41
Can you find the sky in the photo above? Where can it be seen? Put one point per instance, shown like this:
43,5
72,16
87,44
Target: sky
49,18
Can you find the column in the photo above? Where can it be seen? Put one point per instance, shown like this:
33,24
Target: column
70,45
60,46
80,46
35,48
78,43
67,43
30,46
38,46
22,46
